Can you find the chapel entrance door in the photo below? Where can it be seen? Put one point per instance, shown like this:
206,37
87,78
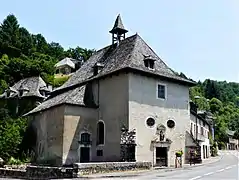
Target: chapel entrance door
84,154
161,156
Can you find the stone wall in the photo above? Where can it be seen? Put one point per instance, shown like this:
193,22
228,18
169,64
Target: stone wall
12,173
37,172
104,167
79,169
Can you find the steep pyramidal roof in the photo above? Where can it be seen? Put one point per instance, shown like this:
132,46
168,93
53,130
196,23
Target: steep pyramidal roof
32,85
118,26
129,54
65,61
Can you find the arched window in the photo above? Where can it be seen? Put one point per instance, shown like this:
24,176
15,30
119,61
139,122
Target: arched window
100,133
85,138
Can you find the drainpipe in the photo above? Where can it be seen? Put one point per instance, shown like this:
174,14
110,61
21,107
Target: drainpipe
196,123
153,156
98,99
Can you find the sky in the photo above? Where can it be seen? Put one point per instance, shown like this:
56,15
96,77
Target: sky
199,38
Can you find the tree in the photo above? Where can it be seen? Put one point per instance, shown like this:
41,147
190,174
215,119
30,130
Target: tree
9,31
25,40
23,55
211,90
215,105
55,50
223,103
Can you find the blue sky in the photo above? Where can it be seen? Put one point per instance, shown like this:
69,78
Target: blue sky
199,38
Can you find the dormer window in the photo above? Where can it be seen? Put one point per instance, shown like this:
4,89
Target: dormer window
8,92
149,62
42,92
97,68
21,92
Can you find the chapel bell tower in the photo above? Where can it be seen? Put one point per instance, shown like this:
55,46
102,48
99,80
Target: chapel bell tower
118,31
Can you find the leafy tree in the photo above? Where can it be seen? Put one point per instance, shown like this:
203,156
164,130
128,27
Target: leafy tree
23,55
223,103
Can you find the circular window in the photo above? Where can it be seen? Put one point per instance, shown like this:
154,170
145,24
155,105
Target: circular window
171,124
150,122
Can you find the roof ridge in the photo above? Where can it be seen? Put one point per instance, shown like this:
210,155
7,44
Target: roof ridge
156,54
161,61
133,49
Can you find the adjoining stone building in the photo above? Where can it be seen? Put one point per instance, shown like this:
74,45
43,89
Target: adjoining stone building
122,86
200,131
26,93
232,143
67,66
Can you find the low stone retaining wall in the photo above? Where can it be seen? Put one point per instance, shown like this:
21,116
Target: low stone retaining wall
36,172
104,167
79,169
12,173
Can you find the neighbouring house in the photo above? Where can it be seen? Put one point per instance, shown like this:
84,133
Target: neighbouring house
26,93
200,132
232,143
124,103
67,66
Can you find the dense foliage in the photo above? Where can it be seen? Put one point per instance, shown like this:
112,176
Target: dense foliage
222,99
25,54
22,55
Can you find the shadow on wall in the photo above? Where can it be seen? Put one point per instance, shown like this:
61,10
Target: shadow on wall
28,144
80,120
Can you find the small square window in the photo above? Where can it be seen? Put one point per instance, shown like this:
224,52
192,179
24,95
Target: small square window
161,91
99,152
151,64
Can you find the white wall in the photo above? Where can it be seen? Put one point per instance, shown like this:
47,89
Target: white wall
144,104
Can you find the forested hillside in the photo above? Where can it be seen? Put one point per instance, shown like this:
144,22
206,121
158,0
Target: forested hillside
222,99
23,54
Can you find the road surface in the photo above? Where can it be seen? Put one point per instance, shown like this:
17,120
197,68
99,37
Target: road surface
225,169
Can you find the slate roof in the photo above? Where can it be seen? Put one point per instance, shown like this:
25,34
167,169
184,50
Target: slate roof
65,61
199,116
230,133
118,26
129,54
73,96
31,84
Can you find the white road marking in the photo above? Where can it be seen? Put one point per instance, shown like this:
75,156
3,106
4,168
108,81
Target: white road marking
196,178
229,167
220,170
207,174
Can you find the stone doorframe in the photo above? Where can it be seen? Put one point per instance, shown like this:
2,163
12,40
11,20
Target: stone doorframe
160,140
161,144
82,145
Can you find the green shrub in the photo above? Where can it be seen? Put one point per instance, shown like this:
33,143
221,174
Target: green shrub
59,81
221,145
179,153
13,161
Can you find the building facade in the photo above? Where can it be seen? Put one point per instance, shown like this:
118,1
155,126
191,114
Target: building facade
25,94
123,96
232,143
67,66
200,129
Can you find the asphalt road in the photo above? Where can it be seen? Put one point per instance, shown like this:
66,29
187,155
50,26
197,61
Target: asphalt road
225,169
